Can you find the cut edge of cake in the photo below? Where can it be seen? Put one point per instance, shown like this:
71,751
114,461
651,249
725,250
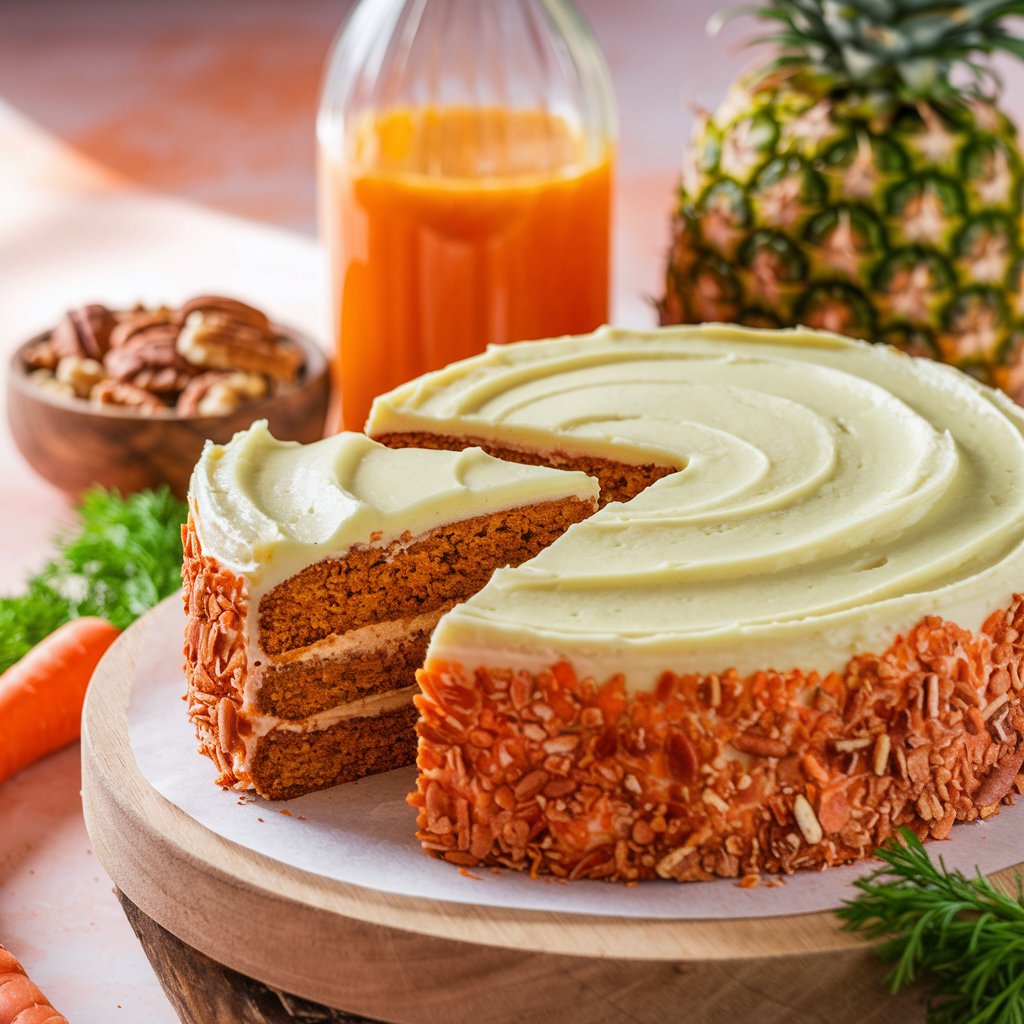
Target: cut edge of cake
306,681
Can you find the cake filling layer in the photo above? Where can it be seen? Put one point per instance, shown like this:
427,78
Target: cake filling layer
365,707
340,669
366,639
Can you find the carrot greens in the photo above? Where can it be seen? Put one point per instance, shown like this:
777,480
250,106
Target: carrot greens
961,935
121,558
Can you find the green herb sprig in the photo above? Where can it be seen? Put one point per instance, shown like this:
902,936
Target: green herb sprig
122,557
962,935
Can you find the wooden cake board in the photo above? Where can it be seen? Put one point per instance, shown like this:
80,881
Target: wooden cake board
237,936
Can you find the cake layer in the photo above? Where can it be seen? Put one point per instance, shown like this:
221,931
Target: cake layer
619,481
411,575
288,764
339,669
362,707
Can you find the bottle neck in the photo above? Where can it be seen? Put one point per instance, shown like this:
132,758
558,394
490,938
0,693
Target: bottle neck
516,77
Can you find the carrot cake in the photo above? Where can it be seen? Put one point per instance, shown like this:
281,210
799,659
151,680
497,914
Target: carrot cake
313,577
803,632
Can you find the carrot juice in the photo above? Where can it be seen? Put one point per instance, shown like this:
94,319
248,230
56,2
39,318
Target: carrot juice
453,228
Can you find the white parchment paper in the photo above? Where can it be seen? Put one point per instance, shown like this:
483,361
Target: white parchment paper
363,832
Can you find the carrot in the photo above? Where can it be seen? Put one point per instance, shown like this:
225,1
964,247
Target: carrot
20,1001
41,695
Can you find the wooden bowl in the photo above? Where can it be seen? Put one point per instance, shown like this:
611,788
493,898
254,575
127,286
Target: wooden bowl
75,444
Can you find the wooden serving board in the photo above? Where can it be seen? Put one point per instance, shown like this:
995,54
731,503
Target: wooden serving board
420,961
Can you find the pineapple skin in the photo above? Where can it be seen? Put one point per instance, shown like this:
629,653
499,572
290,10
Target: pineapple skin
899,225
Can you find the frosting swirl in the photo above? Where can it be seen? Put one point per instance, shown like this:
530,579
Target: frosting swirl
268,508
829,493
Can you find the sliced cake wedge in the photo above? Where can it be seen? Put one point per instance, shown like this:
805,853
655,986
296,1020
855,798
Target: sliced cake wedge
314,575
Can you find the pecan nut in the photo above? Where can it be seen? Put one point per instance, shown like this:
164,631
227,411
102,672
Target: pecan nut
230,309
40,355
84,332
216,342
217,393
129,325
1000,780
759,746
150,360
117,392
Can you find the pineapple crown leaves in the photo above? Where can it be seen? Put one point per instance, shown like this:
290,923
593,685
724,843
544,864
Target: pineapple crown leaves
907,49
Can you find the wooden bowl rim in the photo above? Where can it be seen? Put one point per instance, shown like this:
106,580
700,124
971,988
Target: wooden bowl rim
315,368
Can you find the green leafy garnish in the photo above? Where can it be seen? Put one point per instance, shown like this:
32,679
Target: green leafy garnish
962,935
917,49
123,557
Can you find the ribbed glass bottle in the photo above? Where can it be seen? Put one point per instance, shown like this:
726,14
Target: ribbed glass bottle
466,151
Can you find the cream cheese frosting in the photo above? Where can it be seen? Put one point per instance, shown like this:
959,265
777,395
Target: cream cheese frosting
829,494
268,508
364,707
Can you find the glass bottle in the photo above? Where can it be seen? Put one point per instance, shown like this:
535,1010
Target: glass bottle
465,172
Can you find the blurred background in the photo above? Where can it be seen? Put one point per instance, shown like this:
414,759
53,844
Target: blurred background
214,104
214,101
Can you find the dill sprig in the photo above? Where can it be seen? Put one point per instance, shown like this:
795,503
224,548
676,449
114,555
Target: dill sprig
120,559
961,934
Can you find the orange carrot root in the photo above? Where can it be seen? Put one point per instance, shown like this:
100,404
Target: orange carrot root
41,696
20,1001
40,1015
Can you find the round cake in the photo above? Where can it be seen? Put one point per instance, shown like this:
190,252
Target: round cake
801,630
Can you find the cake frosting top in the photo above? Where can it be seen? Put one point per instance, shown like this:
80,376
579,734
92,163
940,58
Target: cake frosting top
268,508
829,494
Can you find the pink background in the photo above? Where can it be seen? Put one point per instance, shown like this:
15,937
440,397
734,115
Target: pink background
152,151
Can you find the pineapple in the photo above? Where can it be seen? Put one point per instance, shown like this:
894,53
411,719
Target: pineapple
865,182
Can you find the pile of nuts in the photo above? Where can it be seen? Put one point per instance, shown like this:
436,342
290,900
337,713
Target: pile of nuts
205,358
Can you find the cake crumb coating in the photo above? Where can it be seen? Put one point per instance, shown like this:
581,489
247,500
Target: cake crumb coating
721,774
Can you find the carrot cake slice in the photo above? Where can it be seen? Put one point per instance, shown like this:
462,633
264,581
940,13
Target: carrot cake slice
313,577
805,632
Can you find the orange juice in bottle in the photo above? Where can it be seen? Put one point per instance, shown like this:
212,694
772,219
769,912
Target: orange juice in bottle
463,202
